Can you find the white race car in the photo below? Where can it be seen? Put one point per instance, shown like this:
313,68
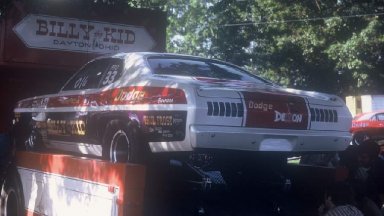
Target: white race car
122,106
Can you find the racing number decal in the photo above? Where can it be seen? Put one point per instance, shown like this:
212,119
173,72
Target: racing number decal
111,75
81,82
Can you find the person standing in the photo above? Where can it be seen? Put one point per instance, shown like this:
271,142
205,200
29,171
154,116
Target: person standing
339,201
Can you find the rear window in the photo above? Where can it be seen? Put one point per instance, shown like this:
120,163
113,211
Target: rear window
362,117
196,68
96,74
380,117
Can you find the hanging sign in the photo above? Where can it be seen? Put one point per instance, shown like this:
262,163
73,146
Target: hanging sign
69,34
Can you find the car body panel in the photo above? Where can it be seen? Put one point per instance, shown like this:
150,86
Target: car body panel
184,113
370,125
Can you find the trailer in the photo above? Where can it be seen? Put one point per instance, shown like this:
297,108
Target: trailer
56,184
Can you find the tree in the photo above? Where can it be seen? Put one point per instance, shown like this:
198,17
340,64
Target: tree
331,46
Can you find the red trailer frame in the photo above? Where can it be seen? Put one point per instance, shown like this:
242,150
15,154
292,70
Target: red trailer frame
54,184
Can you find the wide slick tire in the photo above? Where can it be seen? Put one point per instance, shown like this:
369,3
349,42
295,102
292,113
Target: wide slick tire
121,143
11,201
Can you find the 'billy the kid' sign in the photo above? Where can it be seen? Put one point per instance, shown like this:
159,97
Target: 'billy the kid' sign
69,34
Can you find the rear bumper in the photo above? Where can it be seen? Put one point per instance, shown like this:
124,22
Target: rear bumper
260,139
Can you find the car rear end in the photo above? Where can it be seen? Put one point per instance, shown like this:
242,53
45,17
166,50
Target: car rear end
268,119
229,108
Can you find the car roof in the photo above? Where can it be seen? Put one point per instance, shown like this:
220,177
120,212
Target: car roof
123,55
367,115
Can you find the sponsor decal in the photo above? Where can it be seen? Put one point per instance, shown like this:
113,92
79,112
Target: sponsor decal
165,100
163,125
66,127
133,95
158,120
288,117
360,124
260,105
161,120
69,34
269,110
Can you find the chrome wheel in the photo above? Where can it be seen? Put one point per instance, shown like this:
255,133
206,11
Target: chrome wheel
120,147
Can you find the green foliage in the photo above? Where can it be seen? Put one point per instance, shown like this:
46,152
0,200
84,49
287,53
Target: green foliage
332,46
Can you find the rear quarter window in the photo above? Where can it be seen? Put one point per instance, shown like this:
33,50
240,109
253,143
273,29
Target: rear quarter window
96,74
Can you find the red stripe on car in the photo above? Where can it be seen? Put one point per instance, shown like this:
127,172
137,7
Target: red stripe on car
118,96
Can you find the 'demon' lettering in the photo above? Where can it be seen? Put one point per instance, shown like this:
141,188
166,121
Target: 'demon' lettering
288,117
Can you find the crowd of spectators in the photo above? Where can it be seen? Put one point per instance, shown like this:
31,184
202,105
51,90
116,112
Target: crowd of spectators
362,192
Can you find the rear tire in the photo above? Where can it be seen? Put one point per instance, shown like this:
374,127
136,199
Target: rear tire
121,143
11,201
359,138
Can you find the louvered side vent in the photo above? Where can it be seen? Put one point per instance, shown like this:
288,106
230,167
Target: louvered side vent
225,109
323,115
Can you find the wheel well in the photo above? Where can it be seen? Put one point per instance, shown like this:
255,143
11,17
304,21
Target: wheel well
21,130
103,121
123,122
141,148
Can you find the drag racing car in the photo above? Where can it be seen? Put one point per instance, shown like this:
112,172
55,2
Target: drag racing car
122,106
368,125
